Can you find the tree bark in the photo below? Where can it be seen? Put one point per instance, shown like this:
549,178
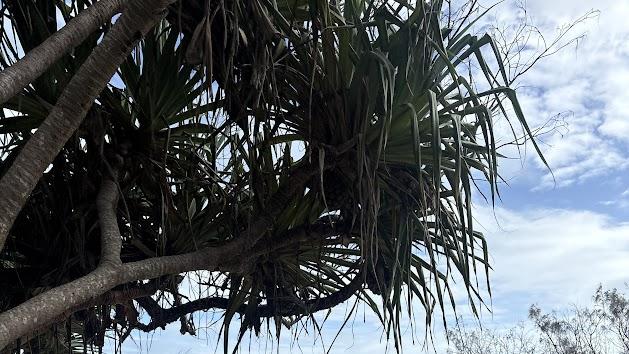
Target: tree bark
14,78
77,98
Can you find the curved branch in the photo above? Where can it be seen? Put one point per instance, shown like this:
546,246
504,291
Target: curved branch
315,305
72,106
160,317
14,78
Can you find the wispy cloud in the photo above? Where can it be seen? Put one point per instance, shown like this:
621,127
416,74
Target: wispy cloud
553,256
587,82
622,201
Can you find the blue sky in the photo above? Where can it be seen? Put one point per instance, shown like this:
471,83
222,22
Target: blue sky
552,242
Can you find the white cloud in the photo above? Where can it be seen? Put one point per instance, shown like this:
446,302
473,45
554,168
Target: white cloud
587,81
554,256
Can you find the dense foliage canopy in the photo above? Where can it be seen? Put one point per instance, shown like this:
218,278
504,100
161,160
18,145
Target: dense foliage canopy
299,152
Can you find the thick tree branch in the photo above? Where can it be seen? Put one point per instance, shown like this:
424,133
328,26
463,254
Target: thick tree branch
48,306
111,240
114,297
77,98
14,78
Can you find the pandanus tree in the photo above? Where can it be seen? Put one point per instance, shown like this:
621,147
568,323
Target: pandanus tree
299,153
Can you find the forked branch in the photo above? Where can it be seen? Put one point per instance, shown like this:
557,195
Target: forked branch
72,106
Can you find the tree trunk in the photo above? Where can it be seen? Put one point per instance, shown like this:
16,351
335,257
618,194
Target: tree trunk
77,98
14,78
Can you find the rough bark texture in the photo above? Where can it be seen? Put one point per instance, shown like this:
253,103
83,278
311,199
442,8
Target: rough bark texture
77,98
111,241
14,78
